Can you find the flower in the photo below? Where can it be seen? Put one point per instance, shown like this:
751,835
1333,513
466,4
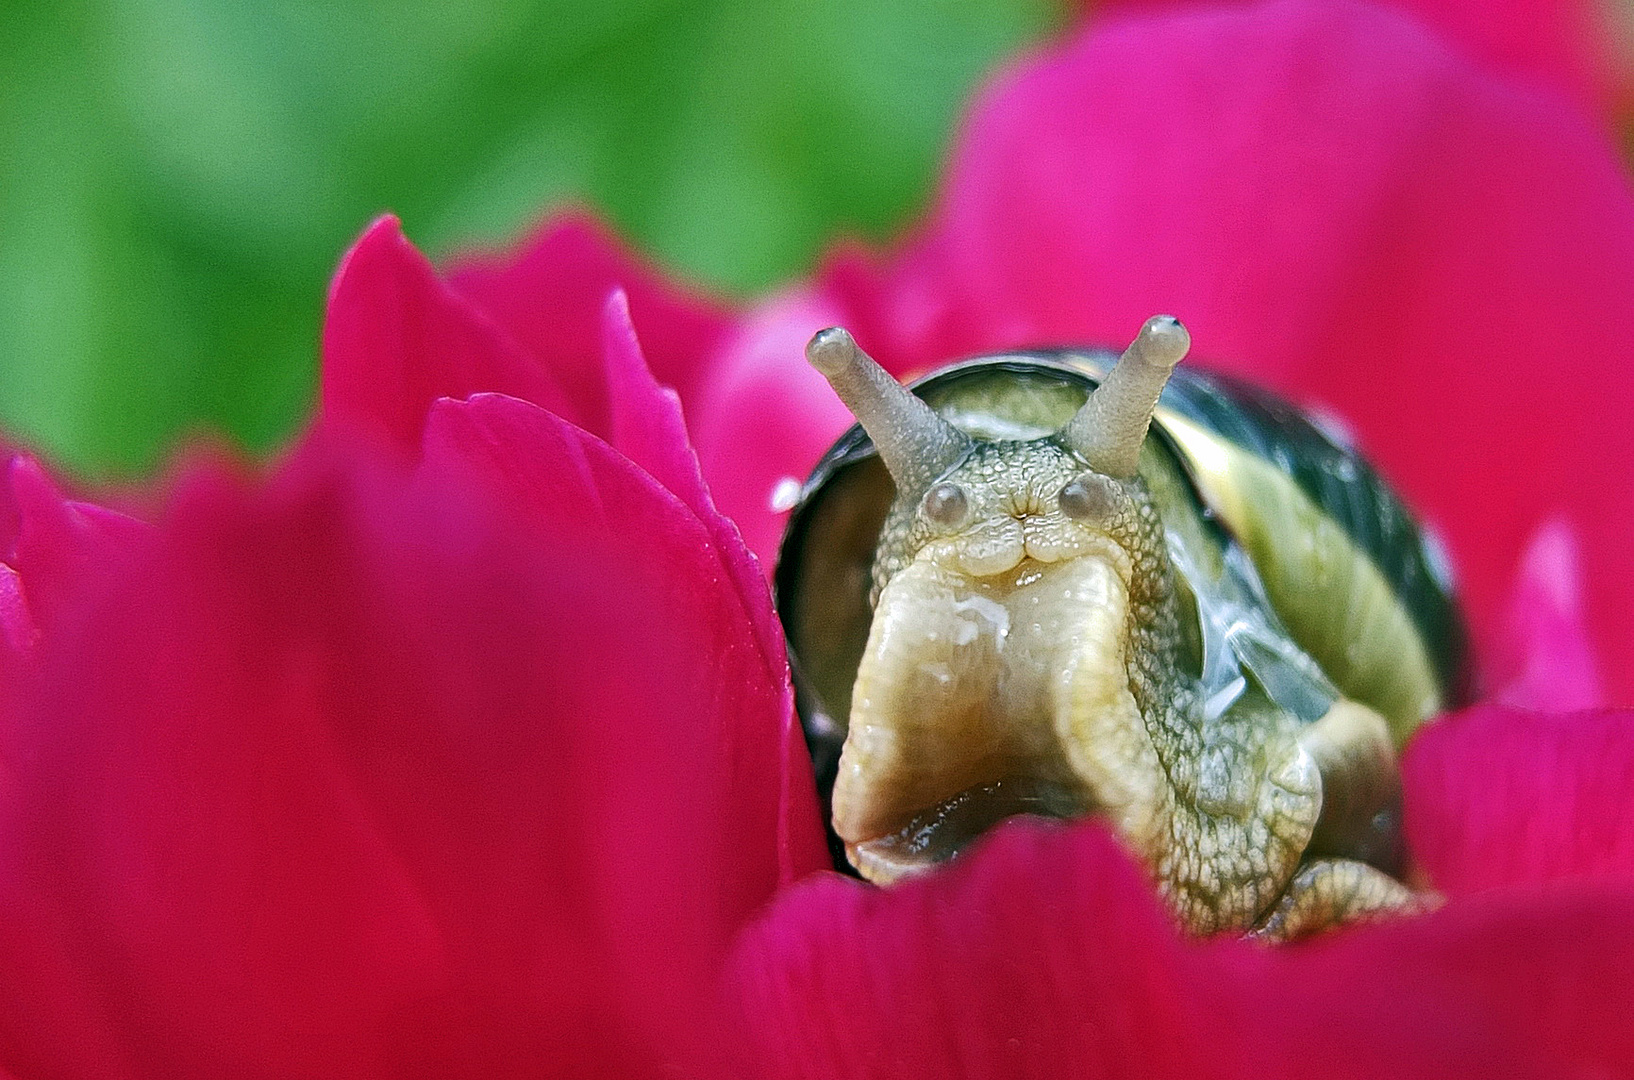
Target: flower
1577,48
461,743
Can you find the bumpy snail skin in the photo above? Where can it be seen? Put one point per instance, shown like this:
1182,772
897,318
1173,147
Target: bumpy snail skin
1028,653
998,648
969,682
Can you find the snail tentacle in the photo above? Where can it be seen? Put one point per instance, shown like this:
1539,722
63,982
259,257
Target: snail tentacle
916,444
1110,428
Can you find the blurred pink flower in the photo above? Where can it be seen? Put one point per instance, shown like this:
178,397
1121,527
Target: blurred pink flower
1580,49
462,744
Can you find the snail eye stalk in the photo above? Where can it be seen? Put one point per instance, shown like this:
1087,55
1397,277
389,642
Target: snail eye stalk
1109,430
916,445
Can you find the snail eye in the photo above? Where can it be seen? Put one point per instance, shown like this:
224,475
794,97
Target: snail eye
946,504
1088,498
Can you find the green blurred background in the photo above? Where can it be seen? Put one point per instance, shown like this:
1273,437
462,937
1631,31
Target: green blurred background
179,177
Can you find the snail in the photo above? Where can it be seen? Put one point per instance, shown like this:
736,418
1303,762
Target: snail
1055,584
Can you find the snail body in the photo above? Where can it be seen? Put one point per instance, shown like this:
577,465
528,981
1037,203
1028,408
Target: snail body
1003,596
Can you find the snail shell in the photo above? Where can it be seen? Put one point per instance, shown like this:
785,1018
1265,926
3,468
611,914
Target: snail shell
1226,678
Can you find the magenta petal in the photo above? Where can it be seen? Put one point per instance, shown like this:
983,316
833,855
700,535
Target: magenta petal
752,783
1511,987
766,416
1042,954
645,424
348,776
1339,205
648,428
16,624
549,298
1564,45
53,1019
185,816
1547,659
18,636
396,338
59,541
1499,796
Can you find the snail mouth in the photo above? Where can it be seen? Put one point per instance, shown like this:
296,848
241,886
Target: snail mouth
978,700
942,831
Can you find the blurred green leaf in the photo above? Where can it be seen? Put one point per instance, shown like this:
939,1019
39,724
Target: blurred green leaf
178,177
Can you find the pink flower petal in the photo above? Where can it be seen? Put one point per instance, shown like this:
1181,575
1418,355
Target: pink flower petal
18,635
52,1019
1041,954
1504,986
16,624
396,338
765,416
58,541
549,295
645,424
648,428
185,822
756,769
1340,206
1564,45
1549,659
352,777
1498,796
1044,954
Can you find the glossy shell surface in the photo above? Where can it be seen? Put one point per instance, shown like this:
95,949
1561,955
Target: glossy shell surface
1302,570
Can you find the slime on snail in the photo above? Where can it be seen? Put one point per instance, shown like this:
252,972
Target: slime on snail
1063,583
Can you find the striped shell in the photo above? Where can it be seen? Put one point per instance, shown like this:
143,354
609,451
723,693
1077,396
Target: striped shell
1300,572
